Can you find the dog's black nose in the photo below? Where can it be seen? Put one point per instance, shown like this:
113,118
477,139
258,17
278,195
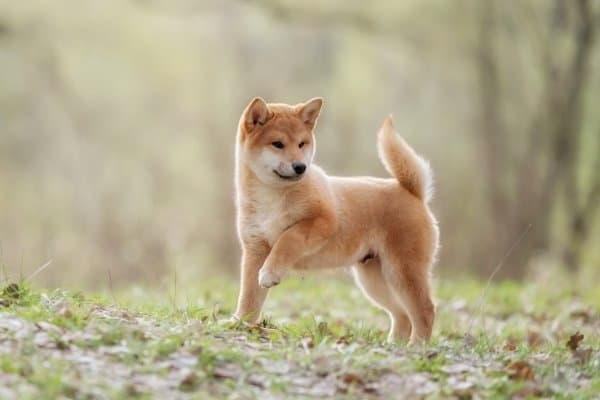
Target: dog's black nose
299,168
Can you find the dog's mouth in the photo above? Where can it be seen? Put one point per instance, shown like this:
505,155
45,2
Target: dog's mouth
288,177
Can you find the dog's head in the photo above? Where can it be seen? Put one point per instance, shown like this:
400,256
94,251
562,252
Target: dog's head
277,141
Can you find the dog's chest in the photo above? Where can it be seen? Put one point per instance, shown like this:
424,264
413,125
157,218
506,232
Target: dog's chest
265,215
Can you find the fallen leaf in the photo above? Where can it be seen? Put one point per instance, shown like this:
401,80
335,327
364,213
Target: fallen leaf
62,345
431,354
142,335
308,343
12,290
261,329
534,339
586,316
511,344
574,340
520,371
64,311
582,355
342,341
126,315
371,388
464,390
189,380
323,329
350,378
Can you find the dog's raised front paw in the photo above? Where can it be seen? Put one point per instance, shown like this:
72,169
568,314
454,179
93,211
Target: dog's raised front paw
267,279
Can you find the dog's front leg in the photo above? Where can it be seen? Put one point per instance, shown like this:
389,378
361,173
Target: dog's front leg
251,297
300,240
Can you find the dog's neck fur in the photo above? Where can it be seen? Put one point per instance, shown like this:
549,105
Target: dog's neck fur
257,203
249,188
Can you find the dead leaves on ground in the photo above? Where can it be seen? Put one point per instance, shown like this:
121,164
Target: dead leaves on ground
586,316
10,294
574,340
535,339
520,371
146,355
580,354
511,344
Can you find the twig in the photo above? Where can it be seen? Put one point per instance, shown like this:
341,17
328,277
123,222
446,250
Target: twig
2,266
175,287
21,269
110,287
37,271
480,302
173,296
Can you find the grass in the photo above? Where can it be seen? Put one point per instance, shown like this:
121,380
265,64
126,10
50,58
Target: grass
320,338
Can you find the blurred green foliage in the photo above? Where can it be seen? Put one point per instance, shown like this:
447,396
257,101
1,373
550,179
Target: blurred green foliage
117,121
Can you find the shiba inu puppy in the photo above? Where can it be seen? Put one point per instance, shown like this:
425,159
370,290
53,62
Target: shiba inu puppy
293,216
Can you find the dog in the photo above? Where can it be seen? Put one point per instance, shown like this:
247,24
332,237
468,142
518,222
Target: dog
292,216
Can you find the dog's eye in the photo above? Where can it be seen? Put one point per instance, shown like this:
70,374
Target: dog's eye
301,145
278,144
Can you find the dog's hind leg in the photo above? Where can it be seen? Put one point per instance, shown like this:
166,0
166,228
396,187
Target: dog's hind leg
369,278
409,282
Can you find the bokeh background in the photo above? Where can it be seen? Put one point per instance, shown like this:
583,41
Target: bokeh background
118,118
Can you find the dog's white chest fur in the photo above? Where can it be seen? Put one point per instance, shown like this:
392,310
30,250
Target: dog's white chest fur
264,215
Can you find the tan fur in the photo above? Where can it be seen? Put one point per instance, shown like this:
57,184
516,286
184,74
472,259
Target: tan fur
381,227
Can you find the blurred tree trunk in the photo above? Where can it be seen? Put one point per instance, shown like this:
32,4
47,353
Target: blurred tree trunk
582,214
582,209
529,193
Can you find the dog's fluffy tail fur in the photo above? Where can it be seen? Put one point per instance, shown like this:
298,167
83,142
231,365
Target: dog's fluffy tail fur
410,169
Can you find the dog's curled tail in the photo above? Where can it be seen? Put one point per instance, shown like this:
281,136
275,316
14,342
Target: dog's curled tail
410,169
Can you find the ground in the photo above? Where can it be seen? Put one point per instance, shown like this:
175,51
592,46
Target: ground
320,338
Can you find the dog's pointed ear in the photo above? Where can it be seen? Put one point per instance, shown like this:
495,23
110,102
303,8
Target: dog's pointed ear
309,111
256,114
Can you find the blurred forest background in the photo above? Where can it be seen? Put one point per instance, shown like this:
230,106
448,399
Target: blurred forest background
118,118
